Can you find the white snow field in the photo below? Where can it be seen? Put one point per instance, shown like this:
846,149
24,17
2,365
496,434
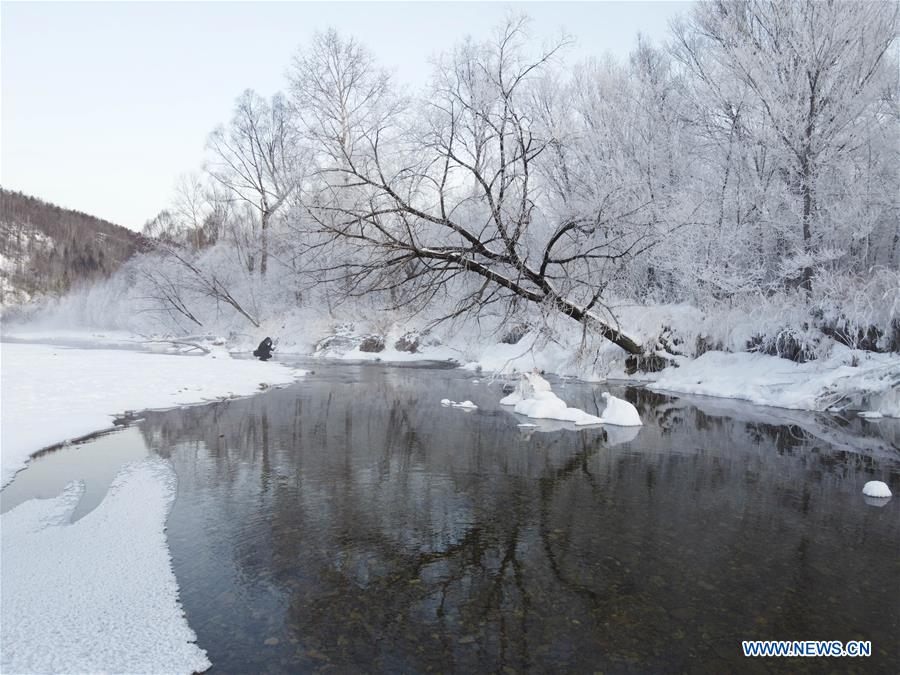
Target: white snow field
847,378
98,595
53,394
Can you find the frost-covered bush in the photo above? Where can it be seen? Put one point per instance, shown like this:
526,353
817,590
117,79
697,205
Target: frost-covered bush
860,312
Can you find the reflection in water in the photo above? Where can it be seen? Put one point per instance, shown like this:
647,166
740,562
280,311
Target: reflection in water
352,521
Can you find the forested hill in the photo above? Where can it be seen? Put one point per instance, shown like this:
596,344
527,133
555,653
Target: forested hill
45,249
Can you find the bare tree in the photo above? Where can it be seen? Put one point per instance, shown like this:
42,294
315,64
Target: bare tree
255,158
192,206
458,193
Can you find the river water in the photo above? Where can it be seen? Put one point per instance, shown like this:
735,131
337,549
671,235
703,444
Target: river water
351,523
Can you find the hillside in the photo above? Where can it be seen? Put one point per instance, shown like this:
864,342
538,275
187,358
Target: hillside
46,249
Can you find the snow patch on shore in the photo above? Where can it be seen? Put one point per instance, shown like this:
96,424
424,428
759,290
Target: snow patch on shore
53,394
848,378
98,595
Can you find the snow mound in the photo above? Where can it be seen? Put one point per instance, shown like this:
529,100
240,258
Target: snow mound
512,398
98,595
619,412
464,404
547,405
875,488
468,405
528,384
533,398
537,382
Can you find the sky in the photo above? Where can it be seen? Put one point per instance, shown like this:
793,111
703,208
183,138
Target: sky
104,105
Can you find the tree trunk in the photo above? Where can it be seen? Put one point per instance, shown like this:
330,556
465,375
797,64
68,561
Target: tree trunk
806,187
264,244
613,335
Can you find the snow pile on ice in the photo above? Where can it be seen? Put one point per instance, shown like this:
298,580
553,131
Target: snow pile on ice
845,379
619,412
534,398
547,405
537,382
528,384
458,404
98,595
53,394
875,488
515,397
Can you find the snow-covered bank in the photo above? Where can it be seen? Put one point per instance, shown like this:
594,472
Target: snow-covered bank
846,379
73,337
841,378
98,595
52,394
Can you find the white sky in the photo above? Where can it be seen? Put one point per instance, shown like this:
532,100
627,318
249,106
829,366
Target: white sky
105,104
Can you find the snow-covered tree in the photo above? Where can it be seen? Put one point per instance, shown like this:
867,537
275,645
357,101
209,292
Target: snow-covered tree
257,159
790,95
457,190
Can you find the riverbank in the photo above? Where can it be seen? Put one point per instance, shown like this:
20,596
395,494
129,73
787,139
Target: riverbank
844,379
99,594
55,394
115,560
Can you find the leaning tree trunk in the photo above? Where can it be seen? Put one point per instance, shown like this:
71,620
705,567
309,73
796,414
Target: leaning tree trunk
609,332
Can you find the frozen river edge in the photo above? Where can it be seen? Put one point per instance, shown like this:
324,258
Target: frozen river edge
100,594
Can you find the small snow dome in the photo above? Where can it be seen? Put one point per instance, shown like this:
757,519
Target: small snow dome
875,488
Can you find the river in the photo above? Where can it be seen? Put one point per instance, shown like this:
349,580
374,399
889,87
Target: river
351,522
